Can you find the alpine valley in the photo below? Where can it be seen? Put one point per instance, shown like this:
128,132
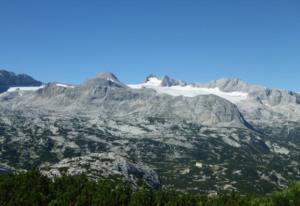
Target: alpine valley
200,137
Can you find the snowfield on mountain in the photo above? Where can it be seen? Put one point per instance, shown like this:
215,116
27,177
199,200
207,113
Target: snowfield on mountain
192,137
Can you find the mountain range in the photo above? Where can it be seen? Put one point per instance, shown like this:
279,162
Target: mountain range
201,137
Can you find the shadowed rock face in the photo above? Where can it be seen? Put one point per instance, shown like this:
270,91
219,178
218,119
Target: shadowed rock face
10,79
168,82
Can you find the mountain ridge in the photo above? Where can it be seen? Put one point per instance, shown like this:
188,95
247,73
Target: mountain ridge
191,138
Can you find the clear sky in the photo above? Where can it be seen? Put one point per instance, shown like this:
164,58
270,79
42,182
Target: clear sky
194,40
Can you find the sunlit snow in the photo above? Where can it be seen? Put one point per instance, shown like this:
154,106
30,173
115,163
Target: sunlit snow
110,79
13,89
64,85
189,90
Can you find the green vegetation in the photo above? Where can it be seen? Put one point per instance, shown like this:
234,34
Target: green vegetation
32,188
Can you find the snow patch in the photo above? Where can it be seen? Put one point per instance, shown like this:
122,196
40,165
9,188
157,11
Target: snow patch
110,79
189,90
199,164
64,85
153,81
13,89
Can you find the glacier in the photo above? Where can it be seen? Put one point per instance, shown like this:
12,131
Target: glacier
189,90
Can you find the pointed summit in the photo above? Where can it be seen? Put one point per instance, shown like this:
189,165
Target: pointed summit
105,79
107,76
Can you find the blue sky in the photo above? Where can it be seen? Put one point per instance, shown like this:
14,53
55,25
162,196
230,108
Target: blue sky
194,40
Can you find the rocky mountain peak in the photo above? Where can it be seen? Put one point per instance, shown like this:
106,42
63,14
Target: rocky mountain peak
10,79
168,82
104,79
107,76
164,81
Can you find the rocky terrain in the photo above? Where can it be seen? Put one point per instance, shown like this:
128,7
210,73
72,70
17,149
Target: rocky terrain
222,135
